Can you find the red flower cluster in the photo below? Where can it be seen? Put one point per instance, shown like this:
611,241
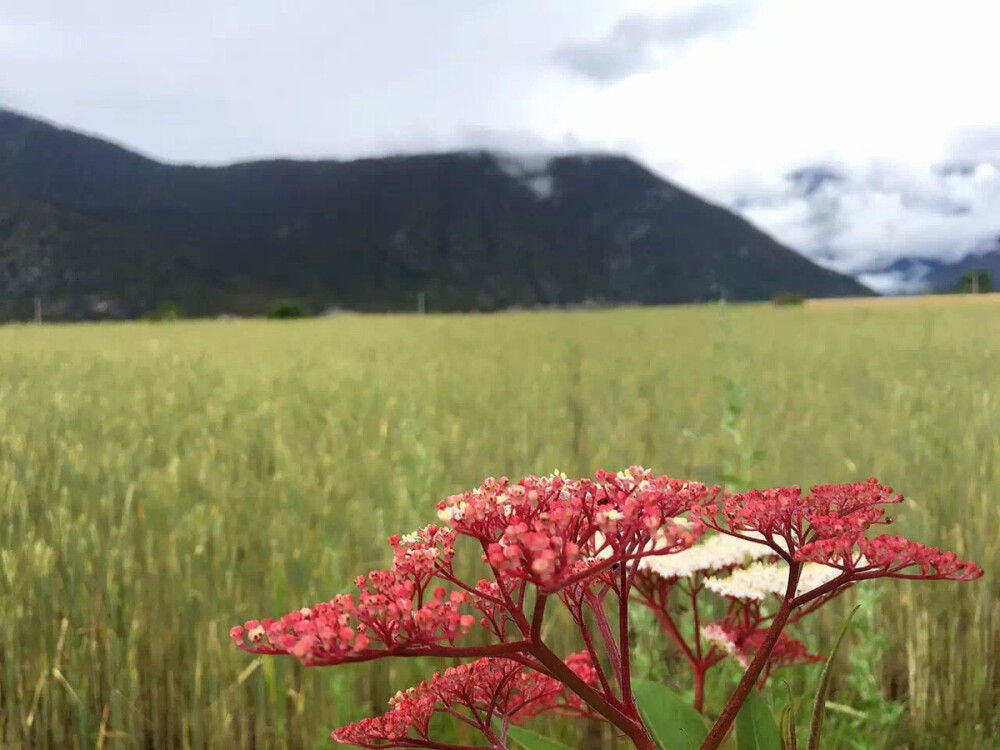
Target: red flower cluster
592,546
541,527
394,609
741,640
888,556
828,527
786,520
478,693
825,528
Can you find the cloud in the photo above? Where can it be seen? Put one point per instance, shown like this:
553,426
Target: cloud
973,145
527,143
859,219
639,43
519,141
894,282
21,43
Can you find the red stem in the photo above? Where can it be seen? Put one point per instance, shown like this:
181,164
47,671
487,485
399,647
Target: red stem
594,658
422,742
721,727
693,593
537,616
423,649
629,724
606,635
699,689
625,675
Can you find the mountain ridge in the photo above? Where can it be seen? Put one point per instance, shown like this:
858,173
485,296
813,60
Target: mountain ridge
467,230
936,275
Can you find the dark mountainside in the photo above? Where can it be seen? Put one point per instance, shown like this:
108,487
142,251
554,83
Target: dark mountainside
98,231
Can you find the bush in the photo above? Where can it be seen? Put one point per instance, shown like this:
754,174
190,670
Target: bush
166,311
788,298
287,309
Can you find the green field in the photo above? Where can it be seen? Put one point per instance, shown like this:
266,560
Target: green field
162,482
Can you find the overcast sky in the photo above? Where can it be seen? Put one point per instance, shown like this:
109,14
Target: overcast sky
865,99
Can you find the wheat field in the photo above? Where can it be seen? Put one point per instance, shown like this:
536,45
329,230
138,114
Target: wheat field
162,482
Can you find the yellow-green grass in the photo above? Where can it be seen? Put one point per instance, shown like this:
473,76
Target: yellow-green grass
162,482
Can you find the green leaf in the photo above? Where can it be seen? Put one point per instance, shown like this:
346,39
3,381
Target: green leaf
533,741
674,724
755,726
788,738
849,710
819,707
787,723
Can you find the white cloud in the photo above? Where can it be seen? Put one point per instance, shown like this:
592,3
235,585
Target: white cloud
22,40
974,144
867,217
638,43
893,282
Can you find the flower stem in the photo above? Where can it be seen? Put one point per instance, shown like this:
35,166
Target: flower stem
621,715
699,689
624,651
721,727
610,645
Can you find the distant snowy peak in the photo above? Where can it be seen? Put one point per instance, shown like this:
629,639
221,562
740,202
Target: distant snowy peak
862,219
914,275
902,276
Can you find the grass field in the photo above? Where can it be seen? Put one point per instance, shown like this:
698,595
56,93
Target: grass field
159,483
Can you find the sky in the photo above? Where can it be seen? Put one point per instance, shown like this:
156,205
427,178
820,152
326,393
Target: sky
856,131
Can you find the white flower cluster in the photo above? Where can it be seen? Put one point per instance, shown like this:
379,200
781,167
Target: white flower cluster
761,579
716,553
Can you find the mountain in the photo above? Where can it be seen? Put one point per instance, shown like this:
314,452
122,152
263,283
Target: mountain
79,265
936,275
84,222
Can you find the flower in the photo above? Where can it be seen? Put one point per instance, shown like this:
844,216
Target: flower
394,608
742,644
888,556
591,545
786,520
825,528
540,528
482,691
762,579
718,553
407,716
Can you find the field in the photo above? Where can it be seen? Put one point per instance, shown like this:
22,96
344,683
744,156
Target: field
162,482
